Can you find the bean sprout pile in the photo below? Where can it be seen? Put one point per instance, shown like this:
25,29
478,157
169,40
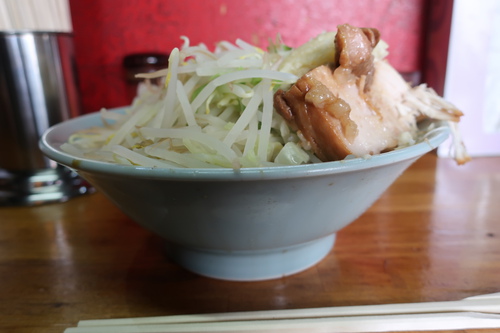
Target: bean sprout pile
212,109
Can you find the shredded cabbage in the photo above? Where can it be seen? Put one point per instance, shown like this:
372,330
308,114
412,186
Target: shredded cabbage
213,109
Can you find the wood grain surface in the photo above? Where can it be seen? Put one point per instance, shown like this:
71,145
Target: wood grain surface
433,236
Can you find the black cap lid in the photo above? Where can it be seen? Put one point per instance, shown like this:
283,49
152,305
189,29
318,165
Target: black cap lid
145,59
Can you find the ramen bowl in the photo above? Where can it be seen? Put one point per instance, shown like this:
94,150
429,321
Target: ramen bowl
247,224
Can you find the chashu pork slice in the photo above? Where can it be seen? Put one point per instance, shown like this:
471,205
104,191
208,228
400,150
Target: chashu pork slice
357,105
336,119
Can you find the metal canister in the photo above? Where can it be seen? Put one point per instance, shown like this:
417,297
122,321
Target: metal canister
38,89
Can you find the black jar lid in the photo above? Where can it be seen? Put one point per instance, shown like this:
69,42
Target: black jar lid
146,59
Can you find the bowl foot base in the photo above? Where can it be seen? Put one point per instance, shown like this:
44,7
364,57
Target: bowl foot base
252,265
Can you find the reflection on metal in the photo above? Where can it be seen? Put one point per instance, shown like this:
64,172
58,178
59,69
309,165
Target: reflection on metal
38,89
27,188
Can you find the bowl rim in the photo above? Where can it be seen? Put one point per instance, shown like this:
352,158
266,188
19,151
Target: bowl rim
51,140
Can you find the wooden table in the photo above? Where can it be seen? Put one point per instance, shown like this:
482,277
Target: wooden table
433,236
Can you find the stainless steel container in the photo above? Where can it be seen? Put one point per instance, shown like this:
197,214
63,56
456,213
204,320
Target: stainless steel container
38,88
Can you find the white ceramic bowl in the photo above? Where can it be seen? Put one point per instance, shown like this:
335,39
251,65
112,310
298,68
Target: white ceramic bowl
248,224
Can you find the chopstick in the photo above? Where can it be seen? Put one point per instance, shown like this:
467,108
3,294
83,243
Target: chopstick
481,311
485,303
358,324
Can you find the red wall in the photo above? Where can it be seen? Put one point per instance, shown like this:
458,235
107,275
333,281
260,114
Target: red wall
106,30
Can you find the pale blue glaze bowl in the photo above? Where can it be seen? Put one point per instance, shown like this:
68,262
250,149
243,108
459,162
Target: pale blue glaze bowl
246,225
